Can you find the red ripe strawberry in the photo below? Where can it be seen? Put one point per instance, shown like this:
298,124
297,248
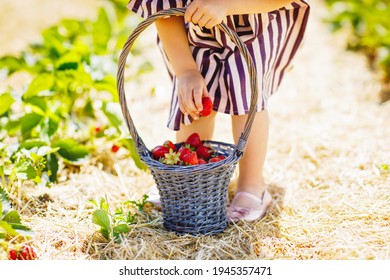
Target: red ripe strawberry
221,157
203,152
27,253
191,159
194,140
183,151
201,161
114,148
13,255
207,104
170,145
159,152
215,159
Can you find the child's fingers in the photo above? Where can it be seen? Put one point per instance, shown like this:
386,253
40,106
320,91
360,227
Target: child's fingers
211,23
205,92
196,17
202,22
191,9
191,104
187,105
198,100
181,105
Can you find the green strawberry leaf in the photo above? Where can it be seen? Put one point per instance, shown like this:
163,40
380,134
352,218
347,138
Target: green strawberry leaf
32,143
128,143
71,151
6,101
101,31
113,112
101,218
30,121
7,228
52,165
12,217
122,228
39,86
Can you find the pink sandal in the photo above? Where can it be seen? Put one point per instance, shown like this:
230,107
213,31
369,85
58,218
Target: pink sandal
237,213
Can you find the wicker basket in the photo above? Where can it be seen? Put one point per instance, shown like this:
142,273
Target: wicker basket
193,198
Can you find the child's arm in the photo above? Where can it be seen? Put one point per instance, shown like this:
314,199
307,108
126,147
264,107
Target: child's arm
191,85
208,13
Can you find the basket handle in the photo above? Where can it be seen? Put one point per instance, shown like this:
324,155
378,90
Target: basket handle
240,146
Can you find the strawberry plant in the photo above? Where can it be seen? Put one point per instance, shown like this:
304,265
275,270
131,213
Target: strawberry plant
72,86
368,24
13,234
114,225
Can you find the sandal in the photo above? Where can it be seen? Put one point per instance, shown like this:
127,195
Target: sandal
237,213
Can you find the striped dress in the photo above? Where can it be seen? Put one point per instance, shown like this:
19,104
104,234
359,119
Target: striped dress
272,39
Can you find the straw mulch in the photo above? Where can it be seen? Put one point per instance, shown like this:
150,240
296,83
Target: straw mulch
327,168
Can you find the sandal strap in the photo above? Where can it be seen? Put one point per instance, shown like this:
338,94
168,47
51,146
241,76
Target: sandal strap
251,196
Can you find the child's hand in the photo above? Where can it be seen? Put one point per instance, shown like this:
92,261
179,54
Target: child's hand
191,89
206,13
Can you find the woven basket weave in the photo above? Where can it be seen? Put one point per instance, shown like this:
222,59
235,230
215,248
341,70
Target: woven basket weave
193,198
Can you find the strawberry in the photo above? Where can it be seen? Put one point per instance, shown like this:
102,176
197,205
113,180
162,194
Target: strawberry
215,159
159,152
13,255
201,161
207,104
183,151
171,158
170,145
191,159
27,253
203,152
194,140
114,148
221,157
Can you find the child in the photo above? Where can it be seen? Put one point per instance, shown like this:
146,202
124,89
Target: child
203,61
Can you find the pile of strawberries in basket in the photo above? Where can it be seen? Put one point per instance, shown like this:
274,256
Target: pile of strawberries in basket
192,152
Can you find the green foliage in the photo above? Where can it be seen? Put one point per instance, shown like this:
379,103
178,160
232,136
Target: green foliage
24,164
368,22
114,226
72,87
10,221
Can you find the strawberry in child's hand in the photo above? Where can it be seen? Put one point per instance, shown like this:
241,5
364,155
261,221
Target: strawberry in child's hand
170,145
159,152
194,140
207,104
203,152
191,159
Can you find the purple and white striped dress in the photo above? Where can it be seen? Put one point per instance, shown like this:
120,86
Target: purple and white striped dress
272,39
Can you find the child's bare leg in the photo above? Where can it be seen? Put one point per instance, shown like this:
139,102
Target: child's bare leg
251,165
203,126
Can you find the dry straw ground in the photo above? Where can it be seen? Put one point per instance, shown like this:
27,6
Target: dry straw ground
328,151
